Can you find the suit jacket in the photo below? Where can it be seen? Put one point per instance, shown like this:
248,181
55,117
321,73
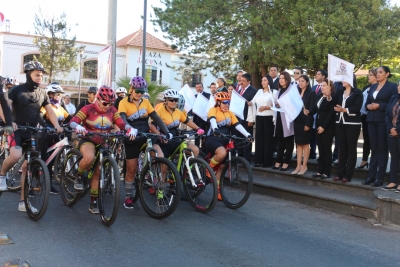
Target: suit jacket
353,105
388,90
309,104
223,89
248,95
276,84
389,114
325,113
196,119
314,88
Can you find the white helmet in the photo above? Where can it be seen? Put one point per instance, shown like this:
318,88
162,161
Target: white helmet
11,80
171,93
54,88
181,102
120,90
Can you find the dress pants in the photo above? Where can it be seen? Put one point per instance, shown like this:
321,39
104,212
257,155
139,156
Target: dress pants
249,146
366,145
379,150
324,142
264,140
313,143
347,135
285,144
394,148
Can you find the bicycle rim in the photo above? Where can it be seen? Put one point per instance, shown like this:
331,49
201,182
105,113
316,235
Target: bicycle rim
59,163
203,194
109,191
69,173
236,183
14,177
37,190
159,196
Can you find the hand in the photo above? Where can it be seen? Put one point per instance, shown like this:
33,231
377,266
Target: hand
132,132
80,130
8,130
217,132
277,105
249,103
59,129
251,138
320,130
306,128
338,108
200,131
250,124
15,126
306,112
168,136
393,132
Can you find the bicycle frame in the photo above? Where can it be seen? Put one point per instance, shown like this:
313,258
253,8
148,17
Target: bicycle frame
56,147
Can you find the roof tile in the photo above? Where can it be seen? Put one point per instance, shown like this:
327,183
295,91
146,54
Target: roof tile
136,39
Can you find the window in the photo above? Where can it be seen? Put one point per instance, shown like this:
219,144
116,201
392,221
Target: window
31,57
160,77
196,78
90,69
151,72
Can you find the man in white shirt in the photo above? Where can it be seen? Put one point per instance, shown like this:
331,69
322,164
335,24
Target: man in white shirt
273,72
69,106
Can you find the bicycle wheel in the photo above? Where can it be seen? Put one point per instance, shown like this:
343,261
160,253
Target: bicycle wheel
236,183
37,189
14,176
58,163
120,159
69,172
203,194
109,191
159,196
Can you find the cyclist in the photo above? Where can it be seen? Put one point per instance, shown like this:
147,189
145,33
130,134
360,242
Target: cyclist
172,117
27,99
91,97
5,85
135,111
96,117
11,82
54,91
121,93
222,120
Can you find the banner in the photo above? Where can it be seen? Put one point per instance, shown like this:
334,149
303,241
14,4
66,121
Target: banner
190,99
211,103
291,104
237,104
340,70
198,107
104,67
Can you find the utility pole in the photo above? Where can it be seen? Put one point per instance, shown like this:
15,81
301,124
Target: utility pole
112,36
144,40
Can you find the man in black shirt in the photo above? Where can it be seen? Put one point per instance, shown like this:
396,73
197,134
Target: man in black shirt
91,96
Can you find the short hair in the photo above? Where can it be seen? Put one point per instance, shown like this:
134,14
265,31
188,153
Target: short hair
229,85
273,66
331,85
247,76
300,69
323,72
202,86
287,77
374,71
212,84
223,80
240,71
67,95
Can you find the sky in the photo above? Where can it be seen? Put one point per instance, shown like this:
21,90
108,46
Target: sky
87,18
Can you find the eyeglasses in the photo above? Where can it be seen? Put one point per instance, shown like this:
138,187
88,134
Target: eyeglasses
106,104
226,102
172,99
296,72
139,92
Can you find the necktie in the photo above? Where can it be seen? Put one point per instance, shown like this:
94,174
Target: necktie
317,89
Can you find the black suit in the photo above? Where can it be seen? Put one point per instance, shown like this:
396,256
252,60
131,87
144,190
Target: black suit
276,83
377,129
394,142
199,121
248,94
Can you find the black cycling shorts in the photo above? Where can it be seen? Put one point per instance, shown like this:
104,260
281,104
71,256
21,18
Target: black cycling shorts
213,142
169,148
18,138
132,148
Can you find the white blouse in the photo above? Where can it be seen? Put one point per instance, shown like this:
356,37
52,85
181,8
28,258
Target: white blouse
261,99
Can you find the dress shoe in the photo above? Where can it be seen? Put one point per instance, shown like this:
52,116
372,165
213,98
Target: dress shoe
336,179
324,176
368,181
386,188
295,171
345,180
284,169
302,172
316,175
377,183
276,168
362,166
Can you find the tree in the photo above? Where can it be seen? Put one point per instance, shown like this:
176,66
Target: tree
58,53
256,34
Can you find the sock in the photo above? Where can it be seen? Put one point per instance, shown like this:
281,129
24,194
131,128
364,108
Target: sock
128,188
213,162
94,193
80,171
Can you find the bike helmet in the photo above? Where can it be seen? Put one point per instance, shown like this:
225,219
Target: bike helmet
54,87
92,90
171,93
120,90
146,95
222,96
33,65
139,83
181,102
11,80
106,94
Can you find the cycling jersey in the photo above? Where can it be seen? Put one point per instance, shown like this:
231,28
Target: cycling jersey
172,120
137,116
225,120
60,112
97,121
159,105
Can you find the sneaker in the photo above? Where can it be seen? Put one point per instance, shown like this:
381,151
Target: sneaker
219,197
93,207
78,184
128,203
54,191
21,207
3,183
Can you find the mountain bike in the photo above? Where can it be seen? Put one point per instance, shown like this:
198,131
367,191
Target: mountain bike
236,180
60,151
117,145
156,181
109,182
201,191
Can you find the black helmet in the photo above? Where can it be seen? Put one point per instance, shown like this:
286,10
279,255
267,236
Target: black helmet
33,65
92,89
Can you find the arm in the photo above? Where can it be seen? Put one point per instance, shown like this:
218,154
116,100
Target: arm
158,121
7,118
330,118
383,106
53,118
310,104
358,100
388,119
154,129
120,122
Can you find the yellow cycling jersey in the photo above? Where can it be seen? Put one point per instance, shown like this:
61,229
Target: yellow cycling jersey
171,120
60,112
134,112
226,118
159,105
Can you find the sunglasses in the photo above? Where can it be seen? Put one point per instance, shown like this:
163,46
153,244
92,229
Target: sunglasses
56,94
296,72
172,99
226,102
139,92
106,104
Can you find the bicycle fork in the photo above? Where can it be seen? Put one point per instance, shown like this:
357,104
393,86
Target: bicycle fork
196,167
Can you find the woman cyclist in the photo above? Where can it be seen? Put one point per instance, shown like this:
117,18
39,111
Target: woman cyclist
54,92
135,111
172,117
221,122
97,117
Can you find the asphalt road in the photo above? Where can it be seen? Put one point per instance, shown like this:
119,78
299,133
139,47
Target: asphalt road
264,232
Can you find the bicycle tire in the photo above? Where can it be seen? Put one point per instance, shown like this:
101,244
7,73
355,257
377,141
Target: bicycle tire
154,200
58,163
14,177
120,159
39,187
237,186
110,188
203,197
69,195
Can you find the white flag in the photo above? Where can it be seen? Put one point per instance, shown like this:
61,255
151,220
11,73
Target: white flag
237,104
291,104
340,70
199,107
189,97
211,103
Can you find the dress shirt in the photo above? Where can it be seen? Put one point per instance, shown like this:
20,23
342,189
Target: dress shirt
261,99
70,108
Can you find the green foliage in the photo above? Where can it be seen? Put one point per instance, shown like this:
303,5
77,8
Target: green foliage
362,81
154,88
256,34
58,53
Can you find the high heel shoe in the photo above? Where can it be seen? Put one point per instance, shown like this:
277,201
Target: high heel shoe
276,168
368,181
363,166
284,169
302,172
295,171
377,183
